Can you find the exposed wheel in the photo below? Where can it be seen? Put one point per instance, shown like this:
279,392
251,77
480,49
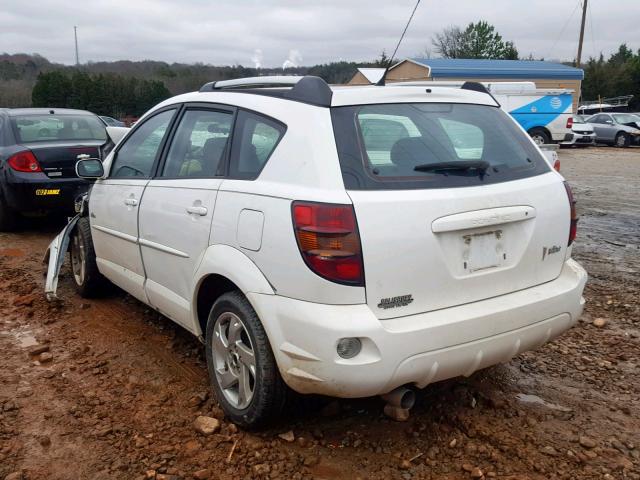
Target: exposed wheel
242,369
622,140
88,280
539,136
8,217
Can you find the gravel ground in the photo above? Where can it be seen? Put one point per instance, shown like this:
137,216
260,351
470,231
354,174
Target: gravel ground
107,389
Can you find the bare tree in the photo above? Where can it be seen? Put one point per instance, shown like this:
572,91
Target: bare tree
477,40
448,43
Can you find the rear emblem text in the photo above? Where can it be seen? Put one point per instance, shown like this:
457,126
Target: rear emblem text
546,251
393,302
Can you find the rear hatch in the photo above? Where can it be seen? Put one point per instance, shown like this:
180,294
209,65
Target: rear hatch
56,138
482,215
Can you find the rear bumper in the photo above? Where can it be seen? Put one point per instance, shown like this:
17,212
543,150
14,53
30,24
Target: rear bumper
561,136
33,192
417,349
582,139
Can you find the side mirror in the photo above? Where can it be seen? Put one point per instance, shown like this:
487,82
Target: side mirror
89,168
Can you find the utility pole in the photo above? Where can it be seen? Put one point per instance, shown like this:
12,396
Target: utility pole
75,34
584,17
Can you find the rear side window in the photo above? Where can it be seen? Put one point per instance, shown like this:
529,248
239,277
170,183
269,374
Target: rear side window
51,128
429,145
136,157
199,145
254,140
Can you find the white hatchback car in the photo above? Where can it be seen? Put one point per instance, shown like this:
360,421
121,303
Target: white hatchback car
346,241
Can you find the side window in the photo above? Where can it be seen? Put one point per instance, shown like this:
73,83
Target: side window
607,119
467,139
137,155
199,145
254,140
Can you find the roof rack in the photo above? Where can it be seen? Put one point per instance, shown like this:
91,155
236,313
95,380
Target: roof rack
305,89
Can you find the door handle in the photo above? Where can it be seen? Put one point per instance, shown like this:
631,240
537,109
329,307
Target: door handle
202,211
132,202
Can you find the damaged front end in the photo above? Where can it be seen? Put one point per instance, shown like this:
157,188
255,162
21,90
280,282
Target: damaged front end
57,249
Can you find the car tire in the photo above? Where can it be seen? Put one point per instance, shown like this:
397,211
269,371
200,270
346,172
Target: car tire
539,136
87,278
234,331
622,140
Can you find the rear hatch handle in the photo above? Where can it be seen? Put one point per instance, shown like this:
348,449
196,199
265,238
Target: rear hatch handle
483,218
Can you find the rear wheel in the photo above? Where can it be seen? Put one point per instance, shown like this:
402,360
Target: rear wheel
8,217
242,368
88,280
622,140
539,136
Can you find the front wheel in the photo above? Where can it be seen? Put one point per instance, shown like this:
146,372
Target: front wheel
539,136
241,365
622,140
88,280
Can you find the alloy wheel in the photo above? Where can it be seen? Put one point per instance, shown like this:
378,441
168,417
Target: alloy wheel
234,360
78,259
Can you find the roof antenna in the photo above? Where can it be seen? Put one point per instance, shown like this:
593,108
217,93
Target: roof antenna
382,81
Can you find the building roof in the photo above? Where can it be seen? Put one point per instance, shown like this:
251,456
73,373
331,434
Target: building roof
478,68
373,75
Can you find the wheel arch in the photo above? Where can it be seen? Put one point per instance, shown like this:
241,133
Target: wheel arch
540,127
224,269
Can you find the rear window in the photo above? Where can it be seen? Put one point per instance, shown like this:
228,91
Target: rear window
51,128
431,145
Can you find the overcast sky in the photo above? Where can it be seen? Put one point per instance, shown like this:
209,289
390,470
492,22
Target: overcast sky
304,32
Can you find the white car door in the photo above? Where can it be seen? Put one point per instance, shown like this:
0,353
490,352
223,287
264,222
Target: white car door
114,203
177,209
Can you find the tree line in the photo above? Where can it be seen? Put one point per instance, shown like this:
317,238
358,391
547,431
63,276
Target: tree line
105,94
129,88
616,76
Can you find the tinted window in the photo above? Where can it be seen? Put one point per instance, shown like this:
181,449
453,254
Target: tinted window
254,140
380,146
199,145
135,158
51,128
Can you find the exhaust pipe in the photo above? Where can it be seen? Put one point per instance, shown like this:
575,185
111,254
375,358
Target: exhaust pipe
401,397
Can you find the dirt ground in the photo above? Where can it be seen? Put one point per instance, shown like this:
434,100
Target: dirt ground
117,389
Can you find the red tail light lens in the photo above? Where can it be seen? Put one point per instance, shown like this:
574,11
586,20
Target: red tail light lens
556,164
24,162
573,229
569,123
329,241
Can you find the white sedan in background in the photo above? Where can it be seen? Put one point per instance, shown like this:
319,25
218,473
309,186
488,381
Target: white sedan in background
583,133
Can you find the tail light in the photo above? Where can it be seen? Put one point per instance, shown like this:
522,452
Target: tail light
556,164
24,162
573,229
570,123
329,241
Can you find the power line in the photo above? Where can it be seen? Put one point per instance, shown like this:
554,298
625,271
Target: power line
403,32
564,27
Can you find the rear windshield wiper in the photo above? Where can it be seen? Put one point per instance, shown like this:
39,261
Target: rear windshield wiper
464,165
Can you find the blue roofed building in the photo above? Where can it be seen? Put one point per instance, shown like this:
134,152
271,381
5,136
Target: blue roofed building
543,74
